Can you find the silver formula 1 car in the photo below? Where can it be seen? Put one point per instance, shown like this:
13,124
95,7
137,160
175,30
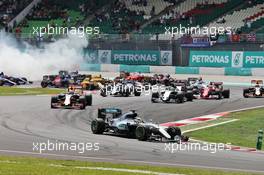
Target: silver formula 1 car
178,94
111,120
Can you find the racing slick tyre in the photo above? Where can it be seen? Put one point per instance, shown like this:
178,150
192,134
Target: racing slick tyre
220,95
125,94
180,99
136,93
142,133
103,92
1,83
82,101
189,96
53,100
89,100
154,97
226,93
245,92
98,126
173,132
44,84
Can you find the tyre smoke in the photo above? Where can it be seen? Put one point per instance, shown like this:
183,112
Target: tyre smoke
33,63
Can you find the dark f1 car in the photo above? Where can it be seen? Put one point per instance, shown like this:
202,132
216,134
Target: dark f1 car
13,81
214,90
178,94
111,120
62,80
256,89
123,88
76,98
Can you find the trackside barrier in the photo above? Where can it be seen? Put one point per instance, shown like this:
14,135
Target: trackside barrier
110,67
90,67
212,71
134,68
187,70
173,70
162,69
257,72
238,71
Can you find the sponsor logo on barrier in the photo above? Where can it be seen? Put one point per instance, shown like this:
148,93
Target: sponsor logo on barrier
128,57
236,59
135,57
104,56
166,57
210,59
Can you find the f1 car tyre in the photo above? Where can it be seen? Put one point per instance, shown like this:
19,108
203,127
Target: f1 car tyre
103,92
98,126
44,84
1,83
82,101
154,97
174,131
89,100
136,93
142,133
53,100
226,93
189,96
220,95
180,99
245,92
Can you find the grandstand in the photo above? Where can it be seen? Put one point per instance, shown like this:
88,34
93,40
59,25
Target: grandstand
135,16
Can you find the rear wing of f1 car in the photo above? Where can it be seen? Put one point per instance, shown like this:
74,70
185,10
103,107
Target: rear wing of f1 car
254,82
115,112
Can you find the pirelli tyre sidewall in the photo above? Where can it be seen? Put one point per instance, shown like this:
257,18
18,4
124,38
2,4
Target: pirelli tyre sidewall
89,100
174,131
98,126
142,133
53,100
245,93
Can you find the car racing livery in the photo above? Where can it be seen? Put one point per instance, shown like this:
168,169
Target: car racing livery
76,98
214,90
178,94
13,81
111,120
256,89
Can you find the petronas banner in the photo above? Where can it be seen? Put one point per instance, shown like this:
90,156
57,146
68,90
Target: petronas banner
236,59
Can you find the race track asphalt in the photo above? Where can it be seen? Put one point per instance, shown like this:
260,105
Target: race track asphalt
28,119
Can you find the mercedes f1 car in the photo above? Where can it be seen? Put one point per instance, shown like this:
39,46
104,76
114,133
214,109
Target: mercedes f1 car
111,120
76,98
178,94
256,89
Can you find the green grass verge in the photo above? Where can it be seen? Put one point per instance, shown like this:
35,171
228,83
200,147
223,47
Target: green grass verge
242,132
37,166
12,91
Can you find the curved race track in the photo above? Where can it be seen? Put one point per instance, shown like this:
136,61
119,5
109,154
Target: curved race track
29,119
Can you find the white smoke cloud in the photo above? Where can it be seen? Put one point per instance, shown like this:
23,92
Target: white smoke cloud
64,54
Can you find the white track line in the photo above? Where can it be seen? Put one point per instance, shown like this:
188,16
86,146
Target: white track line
125,170
131,161
221,123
